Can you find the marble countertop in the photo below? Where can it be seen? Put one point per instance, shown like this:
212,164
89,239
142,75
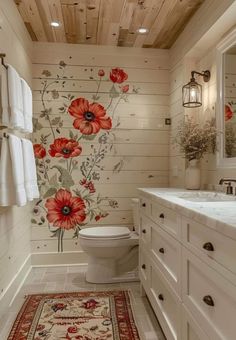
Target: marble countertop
218,215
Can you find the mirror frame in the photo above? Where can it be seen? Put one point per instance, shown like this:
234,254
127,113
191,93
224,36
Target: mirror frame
227,42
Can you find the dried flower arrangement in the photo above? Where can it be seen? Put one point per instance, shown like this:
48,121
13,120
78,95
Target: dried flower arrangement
195,140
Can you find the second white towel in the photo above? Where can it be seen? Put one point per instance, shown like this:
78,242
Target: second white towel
17,169
30,173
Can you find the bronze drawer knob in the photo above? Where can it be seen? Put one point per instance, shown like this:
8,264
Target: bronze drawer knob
161,297
161,215
144,231
144,205
161,250
208,300
144,266
208,246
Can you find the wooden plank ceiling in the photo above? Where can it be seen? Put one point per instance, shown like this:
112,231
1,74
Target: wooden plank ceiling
108,22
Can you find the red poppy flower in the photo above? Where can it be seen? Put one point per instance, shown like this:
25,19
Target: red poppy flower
117,75
65,211
228,112
39,151
125,88
90,304
90,118
66,148
101,73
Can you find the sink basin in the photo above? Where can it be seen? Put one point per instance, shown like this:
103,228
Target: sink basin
206,196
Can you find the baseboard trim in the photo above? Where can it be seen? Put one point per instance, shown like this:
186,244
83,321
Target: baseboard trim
15,285
73,258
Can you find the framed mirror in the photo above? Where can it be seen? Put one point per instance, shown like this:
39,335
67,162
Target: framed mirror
226,101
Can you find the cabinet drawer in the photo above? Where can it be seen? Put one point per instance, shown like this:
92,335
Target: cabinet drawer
211,244
144,268
165,303
145,206
166,253
145,230
166,218
190,329
209,297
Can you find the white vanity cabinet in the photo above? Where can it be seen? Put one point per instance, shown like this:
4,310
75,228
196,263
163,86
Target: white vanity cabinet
188,272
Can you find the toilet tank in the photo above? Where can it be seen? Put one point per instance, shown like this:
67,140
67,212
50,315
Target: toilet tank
136,215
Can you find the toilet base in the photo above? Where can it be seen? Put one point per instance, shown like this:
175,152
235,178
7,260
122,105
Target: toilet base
104,270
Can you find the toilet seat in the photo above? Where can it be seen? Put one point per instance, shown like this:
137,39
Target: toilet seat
113,232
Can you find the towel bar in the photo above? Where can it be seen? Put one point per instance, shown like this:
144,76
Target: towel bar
2,56
4,135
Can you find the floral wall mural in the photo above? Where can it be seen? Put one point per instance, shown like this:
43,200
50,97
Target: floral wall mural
77,149
72,207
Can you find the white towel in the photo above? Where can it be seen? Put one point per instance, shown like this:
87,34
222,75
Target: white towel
4,98
7,189
27,106
15,99
30,173
12,190
17,169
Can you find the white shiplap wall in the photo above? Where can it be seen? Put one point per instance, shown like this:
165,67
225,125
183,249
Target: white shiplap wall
195,49
14,221
141,139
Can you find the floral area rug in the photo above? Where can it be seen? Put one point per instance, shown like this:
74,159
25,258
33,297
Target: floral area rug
83,316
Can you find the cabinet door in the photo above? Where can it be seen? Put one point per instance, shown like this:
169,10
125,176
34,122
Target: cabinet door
209,297
190,329
166,304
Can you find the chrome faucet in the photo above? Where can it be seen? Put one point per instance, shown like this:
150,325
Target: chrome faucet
229,188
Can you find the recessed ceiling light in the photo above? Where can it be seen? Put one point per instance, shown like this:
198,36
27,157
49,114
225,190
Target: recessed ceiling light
142,30
55,24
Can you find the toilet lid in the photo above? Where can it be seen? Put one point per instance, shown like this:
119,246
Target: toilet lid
105,232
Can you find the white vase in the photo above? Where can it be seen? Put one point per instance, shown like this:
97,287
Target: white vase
193,175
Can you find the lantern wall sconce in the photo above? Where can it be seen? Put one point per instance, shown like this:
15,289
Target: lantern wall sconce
192,91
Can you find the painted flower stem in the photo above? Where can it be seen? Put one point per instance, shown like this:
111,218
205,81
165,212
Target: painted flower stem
118,102
45,170
44,106
109,105
95,162
99,84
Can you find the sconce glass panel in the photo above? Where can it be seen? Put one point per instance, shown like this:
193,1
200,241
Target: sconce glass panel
192,94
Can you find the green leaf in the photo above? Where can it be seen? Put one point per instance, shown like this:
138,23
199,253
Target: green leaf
37,125
53,181
65,177
113,92
33,221
50,192
56,120
89,137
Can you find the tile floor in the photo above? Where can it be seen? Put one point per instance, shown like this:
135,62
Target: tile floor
60,279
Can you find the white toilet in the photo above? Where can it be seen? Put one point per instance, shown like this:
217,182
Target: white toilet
112,251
